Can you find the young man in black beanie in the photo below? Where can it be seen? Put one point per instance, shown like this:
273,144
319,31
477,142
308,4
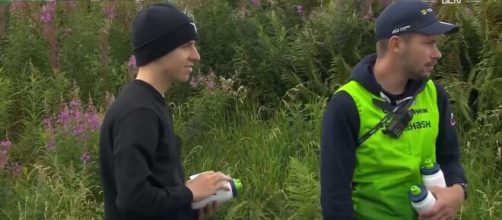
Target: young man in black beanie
140,160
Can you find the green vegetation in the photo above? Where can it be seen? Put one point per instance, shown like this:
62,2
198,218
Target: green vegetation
253,110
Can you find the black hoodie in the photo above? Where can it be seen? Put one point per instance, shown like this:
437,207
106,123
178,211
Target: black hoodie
340,131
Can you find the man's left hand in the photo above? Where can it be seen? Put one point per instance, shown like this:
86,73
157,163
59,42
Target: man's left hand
209,210
448,202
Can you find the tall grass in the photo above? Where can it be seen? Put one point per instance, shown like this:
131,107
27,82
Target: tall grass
281,61
276,159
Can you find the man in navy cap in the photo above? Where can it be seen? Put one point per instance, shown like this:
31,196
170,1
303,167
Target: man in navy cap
381,126
140,162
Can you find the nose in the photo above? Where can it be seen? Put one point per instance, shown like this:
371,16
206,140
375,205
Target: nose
436,54
194,55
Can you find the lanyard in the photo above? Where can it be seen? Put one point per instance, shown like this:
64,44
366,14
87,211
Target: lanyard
401,106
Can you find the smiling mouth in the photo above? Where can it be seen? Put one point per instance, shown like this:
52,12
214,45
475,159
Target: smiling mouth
430,65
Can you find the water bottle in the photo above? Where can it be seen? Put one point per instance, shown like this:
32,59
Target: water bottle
421,199
432,175
221,195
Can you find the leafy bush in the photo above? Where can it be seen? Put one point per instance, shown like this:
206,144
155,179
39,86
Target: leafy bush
252,110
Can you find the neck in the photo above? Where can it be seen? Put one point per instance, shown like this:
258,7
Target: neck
390,76
154,78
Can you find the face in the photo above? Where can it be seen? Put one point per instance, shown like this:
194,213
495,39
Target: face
177,65
419,55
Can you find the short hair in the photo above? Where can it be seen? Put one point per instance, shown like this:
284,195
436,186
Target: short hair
383,44
381,47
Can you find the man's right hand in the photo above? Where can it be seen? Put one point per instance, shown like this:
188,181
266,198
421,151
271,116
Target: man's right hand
206,184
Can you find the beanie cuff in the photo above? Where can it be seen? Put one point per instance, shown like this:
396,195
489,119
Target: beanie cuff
165,44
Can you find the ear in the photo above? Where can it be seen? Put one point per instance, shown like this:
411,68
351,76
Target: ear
396,44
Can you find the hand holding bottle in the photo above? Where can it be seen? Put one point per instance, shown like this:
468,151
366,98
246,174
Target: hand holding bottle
207,184
220,196
448,203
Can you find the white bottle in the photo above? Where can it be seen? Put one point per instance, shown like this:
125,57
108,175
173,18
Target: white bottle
220,196
432,175
421,199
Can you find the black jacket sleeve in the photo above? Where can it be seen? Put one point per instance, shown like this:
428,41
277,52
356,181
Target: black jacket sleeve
135,139
340,128
447,146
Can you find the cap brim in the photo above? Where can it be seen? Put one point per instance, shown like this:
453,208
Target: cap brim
438,28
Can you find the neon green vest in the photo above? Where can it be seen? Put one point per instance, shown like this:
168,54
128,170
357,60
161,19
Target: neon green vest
386,167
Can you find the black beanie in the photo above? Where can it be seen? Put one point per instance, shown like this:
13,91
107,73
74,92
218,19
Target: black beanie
158,29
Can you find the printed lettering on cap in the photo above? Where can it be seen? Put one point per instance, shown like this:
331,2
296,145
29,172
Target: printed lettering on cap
401,29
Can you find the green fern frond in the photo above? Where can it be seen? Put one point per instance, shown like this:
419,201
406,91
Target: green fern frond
457,89
339,71
303,191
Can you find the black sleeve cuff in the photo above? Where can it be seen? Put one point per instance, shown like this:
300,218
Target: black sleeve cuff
186,195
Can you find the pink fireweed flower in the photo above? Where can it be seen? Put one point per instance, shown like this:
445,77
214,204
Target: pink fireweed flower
93,121
4,155
76,121
200,78
109,11
46,18
131,64
15,169
256,3
210,80
64,117
51,141
51,137
19,5
86,157
299,9
70,4
197,81
75,108
76,118
47,122
48,12
75,115
78,130
5,146
210,84
194,82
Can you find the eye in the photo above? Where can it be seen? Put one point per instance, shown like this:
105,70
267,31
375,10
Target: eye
430,42
189,44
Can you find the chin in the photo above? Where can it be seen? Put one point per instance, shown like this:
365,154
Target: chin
425,76
422,76
184,78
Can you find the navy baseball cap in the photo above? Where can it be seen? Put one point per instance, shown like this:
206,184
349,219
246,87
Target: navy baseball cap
410,16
